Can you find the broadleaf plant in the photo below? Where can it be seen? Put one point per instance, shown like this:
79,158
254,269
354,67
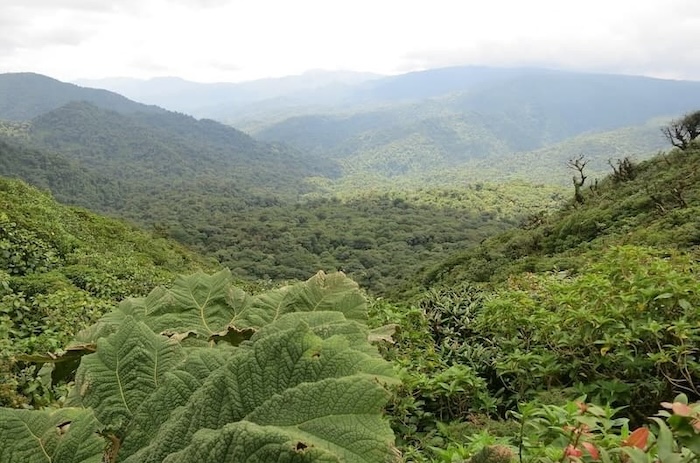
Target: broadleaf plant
167,384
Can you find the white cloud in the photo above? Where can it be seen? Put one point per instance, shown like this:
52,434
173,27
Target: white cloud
212,40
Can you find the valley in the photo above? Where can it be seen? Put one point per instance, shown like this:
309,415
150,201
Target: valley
482,312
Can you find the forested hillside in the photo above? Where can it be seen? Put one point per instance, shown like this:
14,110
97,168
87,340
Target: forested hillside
585,318
60,270
555,340
168,148
69,180
652,203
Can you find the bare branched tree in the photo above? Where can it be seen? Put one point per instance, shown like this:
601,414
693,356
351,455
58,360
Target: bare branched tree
578,164
681,132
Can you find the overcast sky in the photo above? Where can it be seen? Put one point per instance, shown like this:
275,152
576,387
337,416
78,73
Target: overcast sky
233,40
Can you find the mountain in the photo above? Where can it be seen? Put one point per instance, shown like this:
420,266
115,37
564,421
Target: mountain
370,192
141,150
166,168
430,83
418,125
169,146
162,170
260,209
496,114
24,96
223,99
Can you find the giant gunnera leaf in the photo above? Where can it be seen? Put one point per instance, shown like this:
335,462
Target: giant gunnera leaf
322,394
204,372
66,435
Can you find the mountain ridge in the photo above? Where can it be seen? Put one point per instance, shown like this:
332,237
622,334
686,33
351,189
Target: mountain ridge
26,95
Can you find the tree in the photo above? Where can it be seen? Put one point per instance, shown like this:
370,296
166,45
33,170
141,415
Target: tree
578,164
681,132
624,171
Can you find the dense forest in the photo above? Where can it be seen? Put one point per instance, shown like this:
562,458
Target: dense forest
494,321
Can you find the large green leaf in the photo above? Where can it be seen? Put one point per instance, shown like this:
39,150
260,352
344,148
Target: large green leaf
322,292
176,389
128,367
320,393
210,307
66,435
201,303
233,443
324,324
291,377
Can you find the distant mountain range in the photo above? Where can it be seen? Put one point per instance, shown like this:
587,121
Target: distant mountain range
223,100
498,119
420,124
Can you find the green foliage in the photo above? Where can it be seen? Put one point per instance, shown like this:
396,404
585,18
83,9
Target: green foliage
437,386
626,318
299,381
579,431
60,270
69,181
659,207
598,299
493,454
378,239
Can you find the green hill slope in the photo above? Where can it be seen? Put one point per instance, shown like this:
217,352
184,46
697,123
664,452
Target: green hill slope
153,167
60,269
71,182
168,147
520,338
660,206
499,118
25,95
146,149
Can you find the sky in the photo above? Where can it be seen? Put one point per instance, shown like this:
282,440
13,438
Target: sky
235,40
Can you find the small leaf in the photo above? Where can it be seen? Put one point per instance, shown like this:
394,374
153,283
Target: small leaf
571,451
636,455
590,448
637,439
684,304
664,443
383,333
681,409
